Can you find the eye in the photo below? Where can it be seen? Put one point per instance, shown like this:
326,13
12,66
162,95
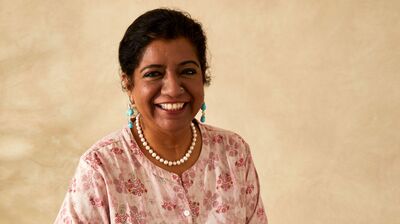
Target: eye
152,74
189,71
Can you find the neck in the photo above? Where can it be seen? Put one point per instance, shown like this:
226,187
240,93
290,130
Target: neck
170,145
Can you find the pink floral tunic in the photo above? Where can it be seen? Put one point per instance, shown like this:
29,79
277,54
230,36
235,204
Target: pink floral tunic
116,183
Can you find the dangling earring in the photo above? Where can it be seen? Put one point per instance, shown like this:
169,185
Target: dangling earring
130,113
203,113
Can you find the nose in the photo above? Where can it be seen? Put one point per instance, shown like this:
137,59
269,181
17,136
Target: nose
171,85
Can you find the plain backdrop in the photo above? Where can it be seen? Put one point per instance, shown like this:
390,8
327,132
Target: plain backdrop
313,87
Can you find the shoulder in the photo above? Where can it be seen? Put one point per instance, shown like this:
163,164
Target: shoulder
107,148
217,131
214,136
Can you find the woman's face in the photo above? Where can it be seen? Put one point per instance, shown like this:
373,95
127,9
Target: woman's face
168,85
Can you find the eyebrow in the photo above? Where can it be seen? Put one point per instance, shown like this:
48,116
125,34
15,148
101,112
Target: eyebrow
189,62
162,66
151,66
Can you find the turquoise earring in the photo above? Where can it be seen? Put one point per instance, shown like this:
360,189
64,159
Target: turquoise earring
130,113
203,113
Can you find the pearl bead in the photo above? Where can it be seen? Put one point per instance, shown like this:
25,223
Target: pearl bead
157,157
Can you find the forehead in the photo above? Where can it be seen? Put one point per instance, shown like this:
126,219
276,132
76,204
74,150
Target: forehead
173,51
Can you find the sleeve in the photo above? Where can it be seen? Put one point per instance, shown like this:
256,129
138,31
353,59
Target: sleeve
255,212
86,199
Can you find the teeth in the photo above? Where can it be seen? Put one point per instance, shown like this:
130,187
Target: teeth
171,106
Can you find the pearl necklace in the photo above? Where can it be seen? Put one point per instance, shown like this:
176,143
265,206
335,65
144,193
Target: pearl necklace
156,156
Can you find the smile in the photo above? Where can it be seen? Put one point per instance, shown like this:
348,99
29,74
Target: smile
171,106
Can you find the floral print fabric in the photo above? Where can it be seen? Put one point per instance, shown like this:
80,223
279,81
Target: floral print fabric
116,183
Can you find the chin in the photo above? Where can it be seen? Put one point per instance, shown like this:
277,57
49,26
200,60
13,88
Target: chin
174,125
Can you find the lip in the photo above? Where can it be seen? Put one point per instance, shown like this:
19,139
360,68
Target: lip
181,101
172,112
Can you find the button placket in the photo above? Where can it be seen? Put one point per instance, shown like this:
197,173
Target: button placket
186,212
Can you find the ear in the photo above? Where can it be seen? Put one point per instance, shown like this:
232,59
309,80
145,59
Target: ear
126,82
127,86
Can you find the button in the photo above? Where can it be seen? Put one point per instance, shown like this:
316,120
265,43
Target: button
186,213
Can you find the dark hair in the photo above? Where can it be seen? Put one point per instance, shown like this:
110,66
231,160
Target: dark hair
160,24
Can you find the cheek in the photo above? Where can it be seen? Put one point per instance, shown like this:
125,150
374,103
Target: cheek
144,93
199,94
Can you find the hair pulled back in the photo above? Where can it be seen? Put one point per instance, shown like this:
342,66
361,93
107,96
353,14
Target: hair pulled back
160,24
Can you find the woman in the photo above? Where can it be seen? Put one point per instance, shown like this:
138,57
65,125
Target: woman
165,166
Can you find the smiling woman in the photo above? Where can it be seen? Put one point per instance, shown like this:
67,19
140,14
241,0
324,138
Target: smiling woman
165,166
167,76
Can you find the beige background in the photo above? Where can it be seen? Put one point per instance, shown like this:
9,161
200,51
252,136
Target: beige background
313,86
